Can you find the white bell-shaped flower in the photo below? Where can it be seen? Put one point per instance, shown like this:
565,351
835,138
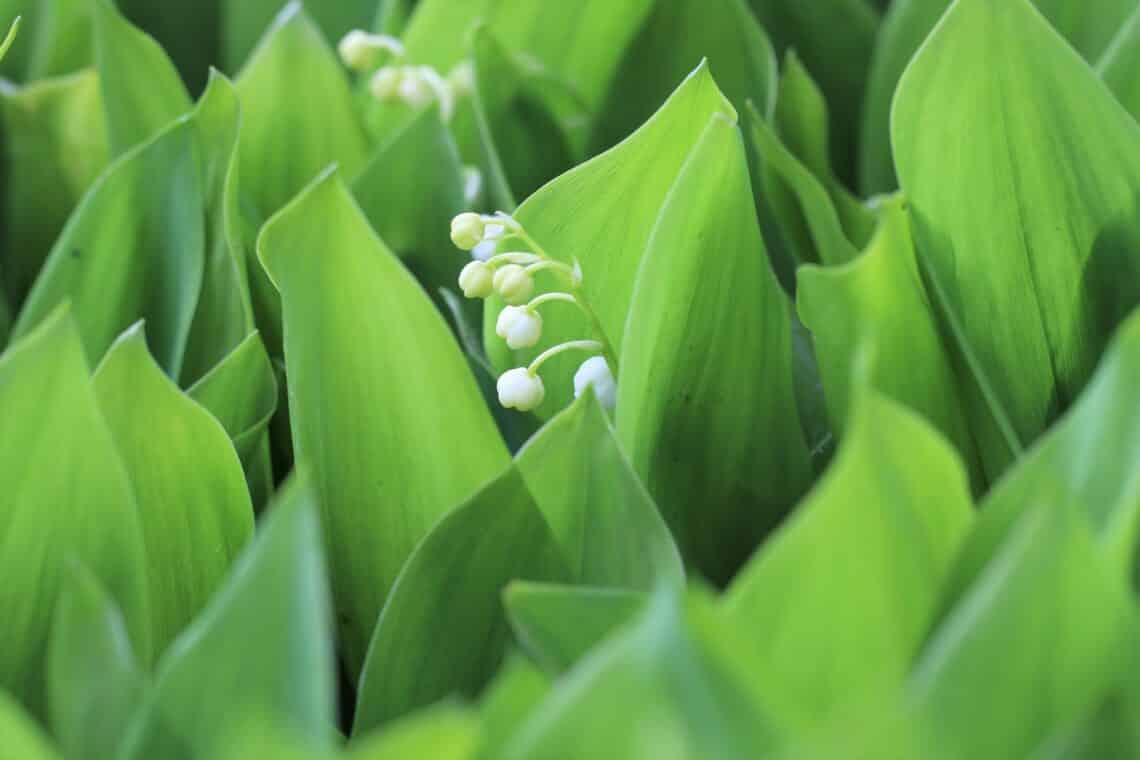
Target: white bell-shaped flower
519,389
357,51
514,284
414,89
385,83
476,280
519,326
485,250
467,230
595,372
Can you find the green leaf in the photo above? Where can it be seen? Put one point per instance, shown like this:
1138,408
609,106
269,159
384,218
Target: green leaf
244,21
23,739
55,146
192,501
443,630
558,625
834,38
518,688
1035,266
880,299
674,694
602,213
1119,62
677,37
66,497
297,118
9,38
63,40
142,89
1066,470
133,249
94,682
838,601
262,648
385,412
1087,24
705,404
441,733
801,119
606,524
1037,641
436,30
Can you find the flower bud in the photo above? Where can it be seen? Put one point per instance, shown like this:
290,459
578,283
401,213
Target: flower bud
414,90
358,51
519,326
514,284
476,280
385,83
484,250
467,231
595,372
518,389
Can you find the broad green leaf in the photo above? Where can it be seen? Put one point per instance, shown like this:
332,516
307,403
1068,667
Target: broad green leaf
838,601
241,392
23,739
834,39
224,316
797,211
653,691
880,298
392,16
141,88
676,38
188,32
55,146
62,43
67,497
133,249
1088,24
1119,63
558,625
385,413
1037,640
1085,463
602,213
244,21
443,630
1035,265
801,119
436,29
604,521
297,118
705,403
192,500
440,733
262,648
94,681
516,691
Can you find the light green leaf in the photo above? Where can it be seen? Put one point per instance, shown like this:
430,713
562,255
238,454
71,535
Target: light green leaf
443,630
674,693
9,38
1037,641
1085,463
516,691
677,37
192,501
838,601
441,733
1035,266
133,249
55,146
558,625
437,28
880,299
23,739
705,404
94,682
63,40
142,89
244,21
262,648
834,38
574,217
385,412
67,497
605,522
297,118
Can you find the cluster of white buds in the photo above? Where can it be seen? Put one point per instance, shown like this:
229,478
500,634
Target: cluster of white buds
511,276
415,86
